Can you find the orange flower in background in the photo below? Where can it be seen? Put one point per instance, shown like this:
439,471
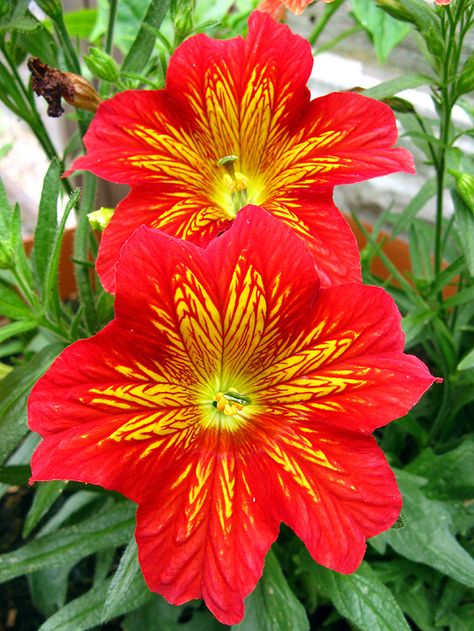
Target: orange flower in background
229,394
276,8
235,125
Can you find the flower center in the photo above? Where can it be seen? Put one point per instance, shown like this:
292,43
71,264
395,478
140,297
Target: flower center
230,402
235,185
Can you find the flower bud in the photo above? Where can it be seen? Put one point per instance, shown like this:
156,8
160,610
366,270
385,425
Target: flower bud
100,219
396,9
53,84
102,65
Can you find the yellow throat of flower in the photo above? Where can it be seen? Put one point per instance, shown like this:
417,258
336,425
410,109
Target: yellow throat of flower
234,189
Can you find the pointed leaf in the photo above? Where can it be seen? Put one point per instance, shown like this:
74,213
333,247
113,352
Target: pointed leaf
70,543
46,494
427,537
126,573
272,606
362,598
11,305
14,391
47,225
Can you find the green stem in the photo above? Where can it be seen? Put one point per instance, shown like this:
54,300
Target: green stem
81,252
329,11
70,56
110,29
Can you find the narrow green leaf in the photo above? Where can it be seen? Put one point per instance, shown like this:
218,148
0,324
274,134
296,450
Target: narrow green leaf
15,474
85,612
394,86
120,584
272,606
460,298
142,47
48,588
51,288
464,224
427,537
47,225
408,214
70,543
14,390
16,328
46,494
362,598
467,362
11,305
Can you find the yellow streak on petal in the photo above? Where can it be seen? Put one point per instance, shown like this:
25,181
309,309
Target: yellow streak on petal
180,479
291,467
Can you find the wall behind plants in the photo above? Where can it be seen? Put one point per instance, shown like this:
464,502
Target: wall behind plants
68,558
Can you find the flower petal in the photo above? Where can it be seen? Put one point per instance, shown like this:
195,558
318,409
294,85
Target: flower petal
333,488
348,367
177,214
264,298
241,93
206,520
317,221
344,137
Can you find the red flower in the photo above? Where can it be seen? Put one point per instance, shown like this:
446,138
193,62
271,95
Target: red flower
235,125
231,393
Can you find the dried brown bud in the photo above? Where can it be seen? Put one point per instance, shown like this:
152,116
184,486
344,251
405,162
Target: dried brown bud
53,85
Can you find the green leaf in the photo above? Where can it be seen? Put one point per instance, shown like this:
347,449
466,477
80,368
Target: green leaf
16,328
464,224
48,588
11,305
450,475
15,474
409,213
39,43
14,391
386,32
85,612
51,288
71,543
142,47
15,16
427,537
46,494
394,86
47,225
80,23
361,598
467,362
272,606
126,573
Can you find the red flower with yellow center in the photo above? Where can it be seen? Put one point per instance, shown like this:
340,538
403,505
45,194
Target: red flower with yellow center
231,393
235,126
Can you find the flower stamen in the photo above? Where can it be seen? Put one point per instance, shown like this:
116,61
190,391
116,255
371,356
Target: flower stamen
230,402
235,183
